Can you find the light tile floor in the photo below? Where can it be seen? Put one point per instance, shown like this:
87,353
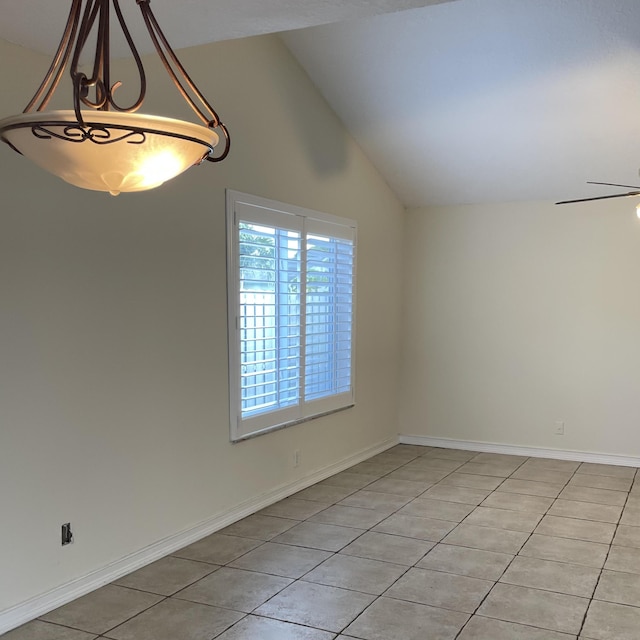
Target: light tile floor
414,543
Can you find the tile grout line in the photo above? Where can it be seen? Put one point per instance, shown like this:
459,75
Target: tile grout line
517,554
411,500
430,453
334,553
440,541
408,568
602,569
508,565
555,499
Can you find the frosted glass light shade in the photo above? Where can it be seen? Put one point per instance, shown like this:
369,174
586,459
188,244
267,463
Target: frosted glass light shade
114,152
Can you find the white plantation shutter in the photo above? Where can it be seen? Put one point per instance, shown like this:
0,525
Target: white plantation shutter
291,283
328,310
269,317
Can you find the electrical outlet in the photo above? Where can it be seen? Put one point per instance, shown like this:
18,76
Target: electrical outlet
559,427
67,535
296,458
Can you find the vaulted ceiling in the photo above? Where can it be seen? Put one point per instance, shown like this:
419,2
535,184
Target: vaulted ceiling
458,101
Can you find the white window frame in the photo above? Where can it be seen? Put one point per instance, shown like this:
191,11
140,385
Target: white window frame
249,208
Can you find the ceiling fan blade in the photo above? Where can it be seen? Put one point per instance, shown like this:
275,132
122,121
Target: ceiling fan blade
612,184
617,195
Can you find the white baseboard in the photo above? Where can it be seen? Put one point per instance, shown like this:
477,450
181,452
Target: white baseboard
39,605
534,452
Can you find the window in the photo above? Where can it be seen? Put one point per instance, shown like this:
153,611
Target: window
291,288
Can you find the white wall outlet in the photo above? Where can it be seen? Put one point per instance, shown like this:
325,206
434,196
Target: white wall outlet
559,427
296,458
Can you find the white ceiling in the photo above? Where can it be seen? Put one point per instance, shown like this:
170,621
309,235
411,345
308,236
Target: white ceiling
466,101
38,24
488,100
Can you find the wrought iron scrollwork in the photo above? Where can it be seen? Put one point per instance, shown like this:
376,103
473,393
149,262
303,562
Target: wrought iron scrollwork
97,11
79,133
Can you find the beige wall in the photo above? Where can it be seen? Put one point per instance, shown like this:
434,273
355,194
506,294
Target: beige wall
113,350
518,315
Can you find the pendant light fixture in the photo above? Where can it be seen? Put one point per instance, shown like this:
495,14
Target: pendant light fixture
100,144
